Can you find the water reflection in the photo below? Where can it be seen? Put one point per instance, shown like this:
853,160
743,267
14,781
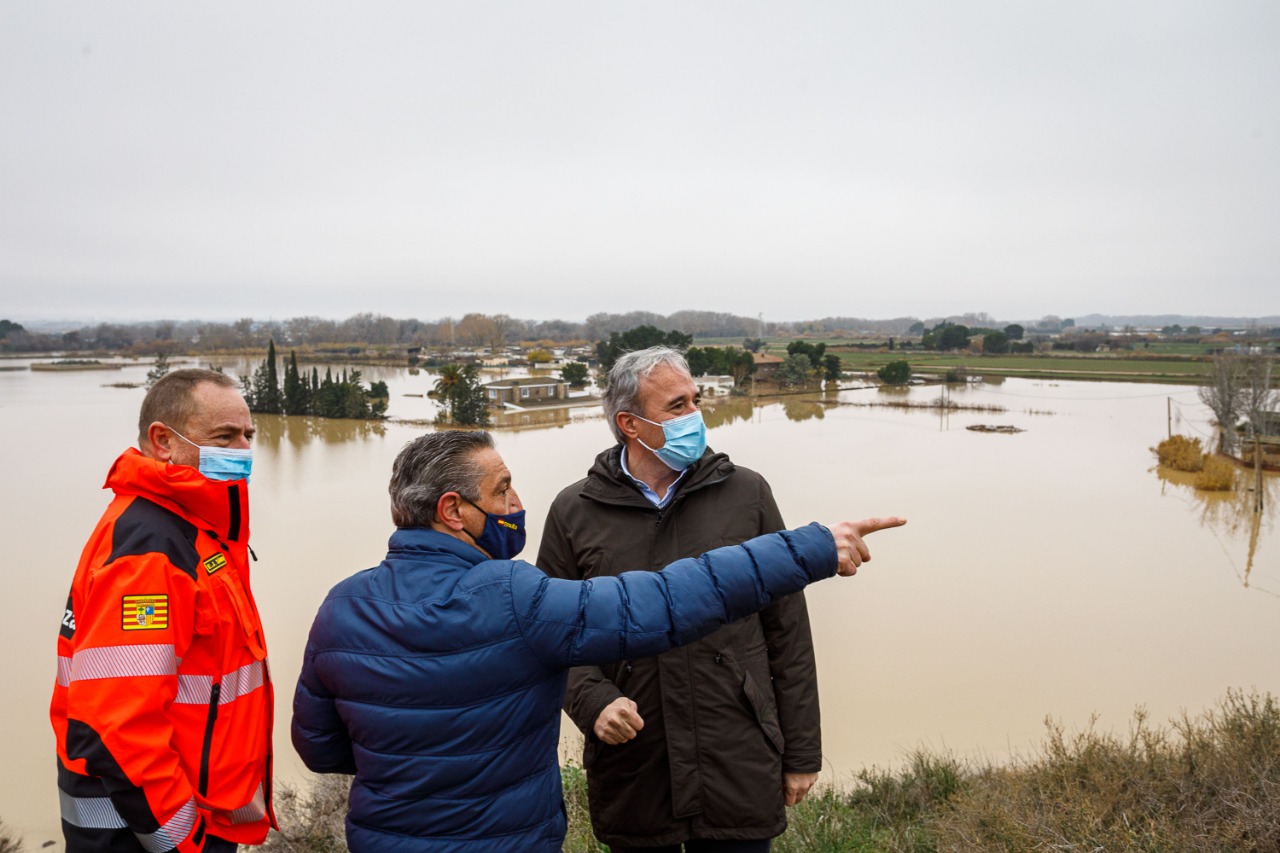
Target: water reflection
531,418
803,410
299,431
1242,514
726,410
722,411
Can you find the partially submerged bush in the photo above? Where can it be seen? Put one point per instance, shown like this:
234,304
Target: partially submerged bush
1181,453
1217,475
895,373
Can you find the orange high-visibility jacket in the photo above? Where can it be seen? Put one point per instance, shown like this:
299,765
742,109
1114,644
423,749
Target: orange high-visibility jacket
163,702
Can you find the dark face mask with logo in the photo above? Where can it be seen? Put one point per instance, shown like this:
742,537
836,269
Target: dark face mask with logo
503,535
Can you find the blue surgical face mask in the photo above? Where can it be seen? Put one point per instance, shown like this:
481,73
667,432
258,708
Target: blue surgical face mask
221,463
684,440
503,535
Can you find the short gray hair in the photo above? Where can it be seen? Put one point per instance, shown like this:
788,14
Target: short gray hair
171,401
622,388
431,465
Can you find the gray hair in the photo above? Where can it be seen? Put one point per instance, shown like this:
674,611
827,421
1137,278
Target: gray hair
431,465
622,389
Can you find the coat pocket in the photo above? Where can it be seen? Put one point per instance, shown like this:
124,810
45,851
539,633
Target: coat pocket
234,601
766,711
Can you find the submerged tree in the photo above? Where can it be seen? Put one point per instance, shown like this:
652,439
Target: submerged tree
574,373
342,396
158,370
721,361
262,391
461,395
1259,399
641,337
1222,394
796,370
895,373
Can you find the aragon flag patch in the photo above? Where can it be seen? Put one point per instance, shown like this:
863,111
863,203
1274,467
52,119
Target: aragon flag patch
214,563
145,612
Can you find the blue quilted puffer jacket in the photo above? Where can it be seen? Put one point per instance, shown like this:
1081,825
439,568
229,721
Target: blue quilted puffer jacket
437,677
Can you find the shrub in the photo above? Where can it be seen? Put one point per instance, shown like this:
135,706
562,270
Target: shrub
895,373
578,838
311,821
1217,475
1212,784
8,844
1180,453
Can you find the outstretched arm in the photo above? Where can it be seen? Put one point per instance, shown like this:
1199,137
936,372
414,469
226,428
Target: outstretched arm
639,614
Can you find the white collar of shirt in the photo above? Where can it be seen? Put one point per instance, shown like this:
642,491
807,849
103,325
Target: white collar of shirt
649,493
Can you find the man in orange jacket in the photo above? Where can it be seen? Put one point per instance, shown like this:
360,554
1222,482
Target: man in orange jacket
163,702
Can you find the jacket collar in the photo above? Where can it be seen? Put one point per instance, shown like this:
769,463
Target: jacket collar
220,506
606,481
425,541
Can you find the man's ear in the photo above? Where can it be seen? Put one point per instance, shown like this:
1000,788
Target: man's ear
626,424
161,439
449,510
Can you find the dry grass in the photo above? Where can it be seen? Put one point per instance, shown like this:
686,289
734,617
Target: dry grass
8,844
1210,783
311,821
1217,475
579,837
1181,453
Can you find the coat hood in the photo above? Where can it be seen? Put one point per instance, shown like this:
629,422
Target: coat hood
221,506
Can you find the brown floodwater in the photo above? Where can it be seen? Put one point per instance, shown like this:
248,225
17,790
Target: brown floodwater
1052,572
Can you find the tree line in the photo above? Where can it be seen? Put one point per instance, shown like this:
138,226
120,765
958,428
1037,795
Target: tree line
339,337
306,393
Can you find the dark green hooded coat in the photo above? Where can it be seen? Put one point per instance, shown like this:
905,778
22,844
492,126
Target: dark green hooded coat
725,716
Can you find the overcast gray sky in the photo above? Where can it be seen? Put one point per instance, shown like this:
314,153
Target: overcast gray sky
556,159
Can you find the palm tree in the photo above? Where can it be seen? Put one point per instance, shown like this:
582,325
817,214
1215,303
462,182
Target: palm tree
451,376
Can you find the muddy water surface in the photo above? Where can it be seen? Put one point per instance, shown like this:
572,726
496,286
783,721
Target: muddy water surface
1053,571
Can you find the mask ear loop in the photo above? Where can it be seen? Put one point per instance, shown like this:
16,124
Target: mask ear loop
464,527
654,423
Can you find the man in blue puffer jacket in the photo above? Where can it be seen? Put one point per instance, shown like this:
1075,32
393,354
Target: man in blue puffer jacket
437,676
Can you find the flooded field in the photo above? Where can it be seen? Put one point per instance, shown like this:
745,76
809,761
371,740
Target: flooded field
1049,569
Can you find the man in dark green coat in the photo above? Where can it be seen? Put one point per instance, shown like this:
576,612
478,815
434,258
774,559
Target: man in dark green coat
707,743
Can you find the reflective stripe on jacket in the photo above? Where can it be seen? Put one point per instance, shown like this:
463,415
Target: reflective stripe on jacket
162,706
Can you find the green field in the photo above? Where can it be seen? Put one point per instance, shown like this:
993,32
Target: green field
1116,367
1161,362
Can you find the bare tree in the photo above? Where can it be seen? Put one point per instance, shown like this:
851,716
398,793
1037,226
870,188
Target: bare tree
1223,395
1258,397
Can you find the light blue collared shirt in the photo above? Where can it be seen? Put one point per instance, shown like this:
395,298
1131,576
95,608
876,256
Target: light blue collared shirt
644,487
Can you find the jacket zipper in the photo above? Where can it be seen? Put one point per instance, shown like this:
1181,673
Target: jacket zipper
214,692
